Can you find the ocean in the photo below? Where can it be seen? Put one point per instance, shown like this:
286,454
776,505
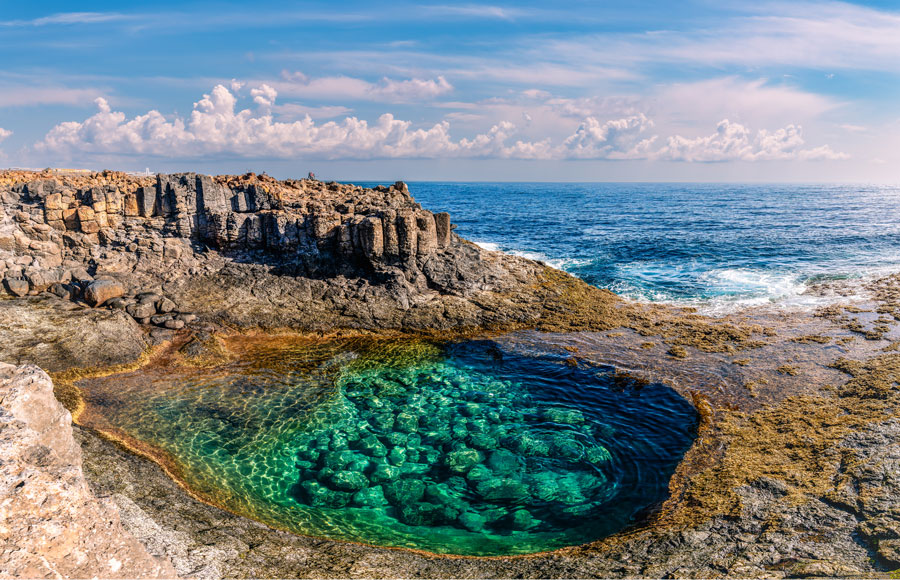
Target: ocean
716,246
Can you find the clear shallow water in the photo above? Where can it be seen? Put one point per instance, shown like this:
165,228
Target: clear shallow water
466,449
718,244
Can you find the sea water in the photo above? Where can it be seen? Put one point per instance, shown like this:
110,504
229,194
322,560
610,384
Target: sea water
460,448
718,246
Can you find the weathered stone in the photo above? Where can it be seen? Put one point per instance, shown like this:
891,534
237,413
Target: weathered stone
146,201
53,524
53,202
99,291
371,238
16,286
442,229
426,236
141,311
407,233
174,324
164,305
131,205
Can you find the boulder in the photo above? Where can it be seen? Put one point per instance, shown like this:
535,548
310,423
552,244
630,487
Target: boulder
141,310
404,491
349,481
16,286
99,291
461,461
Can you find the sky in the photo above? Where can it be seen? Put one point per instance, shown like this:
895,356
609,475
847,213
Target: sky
644,90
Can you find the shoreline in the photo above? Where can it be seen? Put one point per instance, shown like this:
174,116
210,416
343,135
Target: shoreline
800,404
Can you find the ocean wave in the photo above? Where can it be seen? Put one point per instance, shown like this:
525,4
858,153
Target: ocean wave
717,291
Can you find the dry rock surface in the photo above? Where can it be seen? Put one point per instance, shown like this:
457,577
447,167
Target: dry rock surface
51,525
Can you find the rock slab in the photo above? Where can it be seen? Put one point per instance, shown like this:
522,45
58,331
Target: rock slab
51,525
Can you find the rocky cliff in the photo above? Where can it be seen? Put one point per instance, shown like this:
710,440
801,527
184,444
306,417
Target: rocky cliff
51,525
248,250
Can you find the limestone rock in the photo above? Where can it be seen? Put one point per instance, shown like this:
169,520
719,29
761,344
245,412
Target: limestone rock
53,526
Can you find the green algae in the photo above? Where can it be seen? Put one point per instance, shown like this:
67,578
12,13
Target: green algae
456,450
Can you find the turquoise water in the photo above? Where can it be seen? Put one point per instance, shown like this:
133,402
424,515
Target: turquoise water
709,244
461,449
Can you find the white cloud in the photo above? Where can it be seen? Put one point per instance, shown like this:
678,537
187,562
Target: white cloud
69,18
756,101
4,134
217,126
617,139
29,96
735,142
297,84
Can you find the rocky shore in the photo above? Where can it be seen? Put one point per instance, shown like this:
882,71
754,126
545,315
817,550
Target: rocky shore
794,474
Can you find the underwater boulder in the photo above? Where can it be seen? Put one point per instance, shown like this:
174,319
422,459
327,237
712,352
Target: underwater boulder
503,462
349,481
385,473
370,497
462,460
404,491
501,490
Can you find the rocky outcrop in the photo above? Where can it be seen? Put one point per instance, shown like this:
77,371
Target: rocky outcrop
51,525
371,255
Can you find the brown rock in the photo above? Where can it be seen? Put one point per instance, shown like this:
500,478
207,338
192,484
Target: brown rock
90,227
99,291
131,205
442,224
53,201
16,286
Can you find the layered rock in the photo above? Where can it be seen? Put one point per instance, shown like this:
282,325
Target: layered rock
52,525
249,241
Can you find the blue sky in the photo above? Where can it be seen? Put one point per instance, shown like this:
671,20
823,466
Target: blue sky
565,91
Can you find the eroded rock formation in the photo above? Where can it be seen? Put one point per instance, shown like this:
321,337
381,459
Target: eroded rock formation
51,525
209,243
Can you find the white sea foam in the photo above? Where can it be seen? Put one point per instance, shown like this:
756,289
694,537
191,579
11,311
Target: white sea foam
727,290
489,246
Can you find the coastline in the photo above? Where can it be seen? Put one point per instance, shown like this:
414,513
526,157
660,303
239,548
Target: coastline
793,428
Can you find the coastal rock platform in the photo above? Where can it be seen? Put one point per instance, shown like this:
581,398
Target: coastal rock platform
794,472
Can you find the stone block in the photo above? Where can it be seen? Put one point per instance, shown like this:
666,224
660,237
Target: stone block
371,238
53,201
407,233
16,286
146,201
427,233
442,226
130,205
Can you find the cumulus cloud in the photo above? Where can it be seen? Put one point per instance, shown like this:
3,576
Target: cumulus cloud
217,125
616,139
735,142
4,134
297,84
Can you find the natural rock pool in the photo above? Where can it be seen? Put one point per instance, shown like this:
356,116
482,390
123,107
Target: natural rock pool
464,448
